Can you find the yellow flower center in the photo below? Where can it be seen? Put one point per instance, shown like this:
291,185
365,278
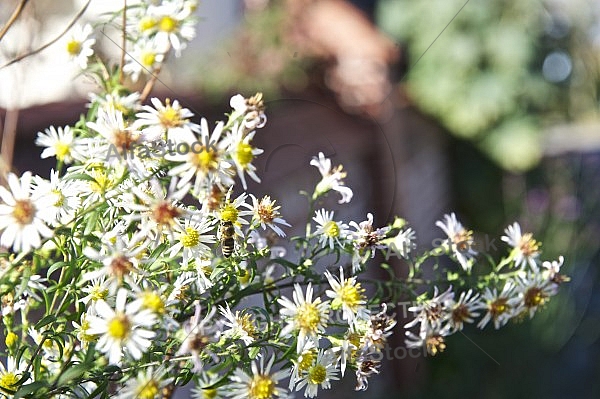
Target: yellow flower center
167,24
98,292
331,229
205,160
24,211
153,301
8,380
308,316
149,390
209,393
120,266
147,23
262,387
435,344
169,117
266,210
119,327
306,360
165,213
247,324
60,198
84,336
498,307
463,240
62,150
229,213
73,47
348,294
190,238
101,182
534,297
148,59
317,374
528,245
244,154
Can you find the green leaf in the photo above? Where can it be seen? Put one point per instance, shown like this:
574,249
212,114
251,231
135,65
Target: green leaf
71,374
45,321
55,267
79,176
36,387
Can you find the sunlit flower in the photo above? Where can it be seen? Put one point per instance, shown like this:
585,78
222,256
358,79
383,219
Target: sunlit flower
111,102
432,339
193,239
431,313
534,290
403,243
166,121
79,44
526,249
62,196
306,317
242,153
462,311
460,240
500,307
319,374
252,109
124,328
267,214
241,325
59,143
329,231
143,59
23,217
172,25
261,384
347,294
12,373
332,179
147,384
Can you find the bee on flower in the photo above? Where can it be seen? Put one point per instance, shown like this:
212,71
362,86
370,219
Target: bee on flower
331,179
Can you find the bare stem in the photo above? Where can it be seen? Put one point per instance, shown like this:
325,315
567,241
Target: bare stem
13,18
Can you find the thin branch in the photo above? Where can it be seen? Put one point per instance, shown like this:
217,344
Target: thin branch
45,46
13,18
8,137
124,42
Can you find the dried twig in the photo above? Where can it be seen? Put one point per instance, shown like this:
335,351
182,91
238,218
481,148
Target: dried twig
13,18
51,42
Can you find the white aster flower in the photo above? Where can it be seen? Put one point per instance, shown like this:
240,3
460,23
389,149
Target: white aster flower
304,316
23,217
206,388
193,240
366,240
329,231
267,213
59,143
347,294
261,384
198,333
12,373
145,58
169,121
460,241
147,384
526,249
241,325
402,243
431,338
431,313
62,196
170,24
126,104
124,328
242,153
534,290
332,179
79,44
251,109
500,307
462,311
320,374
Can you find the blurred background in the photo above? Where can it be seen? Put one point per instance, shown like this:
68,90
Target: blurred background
487,108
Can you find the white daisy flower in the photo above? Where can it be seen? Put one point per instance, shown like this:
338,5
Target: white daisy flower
206,388
261,384
165,121
534,290
144,59
147,384
126,104
460,241
431,313
12,373
320,374
230,211
79,44
267,213
462,311
175,26
366,366
348,295
366,240
551,272
203,158
193,239
526,249
62,194
330,232
431,338
241,325
332,179
119,137
82,329
242,153
500,307
304,316
124,328
23,217
59,143
402,243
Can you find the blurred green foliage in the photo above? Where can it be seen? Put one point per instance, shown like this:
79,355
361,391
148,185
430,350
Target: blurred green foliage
482,78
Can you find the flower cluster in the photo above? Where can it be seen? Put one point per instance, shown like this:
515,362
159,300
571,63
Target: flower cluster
131,275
